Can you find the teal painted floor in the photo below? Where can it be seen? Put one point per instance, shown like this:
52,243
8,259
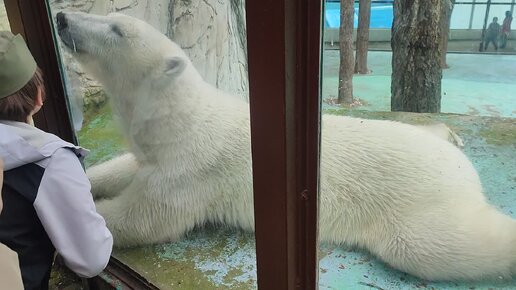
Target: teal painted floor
479,85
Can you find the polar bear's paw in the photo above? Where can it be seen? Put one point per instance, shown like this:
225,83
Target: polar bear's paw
136,220
110,178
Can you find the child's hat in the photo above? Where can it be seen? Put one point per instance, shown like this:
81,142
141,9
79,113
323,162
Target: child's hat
17,66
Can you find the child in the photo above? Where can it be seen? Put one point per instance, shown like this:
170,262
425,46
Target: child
492,33
506,28
48,206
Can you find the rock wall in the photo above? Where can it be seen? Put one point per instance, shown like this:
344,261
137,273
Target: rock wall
213,35
211,32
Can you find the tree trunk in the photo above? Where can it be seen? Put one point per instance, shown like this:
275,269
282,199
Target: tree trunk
362,42
416,56
446,13
347,60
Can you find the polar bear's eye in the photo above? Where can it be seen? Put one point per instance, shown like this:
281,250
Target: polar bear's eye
116,29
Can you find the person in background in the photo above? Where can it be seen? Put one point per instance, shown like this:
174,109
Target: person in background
48,206
492,34
506,29
10,276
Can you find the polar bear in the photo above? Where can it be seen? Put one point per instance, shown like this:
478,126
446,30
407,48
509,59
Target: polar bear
412,199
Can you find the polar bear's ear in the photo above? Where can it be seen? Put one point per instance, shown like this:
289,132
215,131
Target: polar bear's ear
174,66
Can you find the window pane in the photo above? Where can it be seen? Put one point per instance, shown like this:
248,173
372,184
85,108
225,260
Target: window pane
495,10
461,16
182,202
390,192
4,22
466,24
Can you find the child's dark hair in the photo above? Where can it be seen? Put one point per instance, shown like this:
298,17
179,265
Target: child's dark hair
18,106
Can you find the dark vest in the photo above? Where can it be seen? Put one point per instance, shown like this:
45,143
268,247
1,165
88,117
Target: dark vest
20,228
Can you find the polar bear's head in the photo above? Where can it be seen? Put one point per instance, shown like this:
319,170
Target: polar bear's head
121,51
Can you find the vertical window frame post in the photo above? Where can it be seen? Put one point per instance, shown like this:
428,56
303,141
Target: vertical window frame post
284,48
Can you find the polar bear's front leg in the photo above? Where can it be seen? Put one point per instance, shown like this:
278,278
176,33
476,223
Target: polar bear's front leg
108,179
136,218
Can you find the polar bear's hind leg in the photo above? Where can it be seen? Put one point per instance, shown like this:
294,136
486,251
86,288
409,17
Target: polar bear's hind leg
468,245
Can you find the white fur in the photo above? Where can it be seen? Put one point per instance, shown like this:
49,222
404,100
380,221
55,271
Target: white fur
404,194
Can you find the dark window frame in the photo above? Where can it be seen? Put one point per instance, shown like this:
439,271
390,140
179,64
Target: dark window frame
284,45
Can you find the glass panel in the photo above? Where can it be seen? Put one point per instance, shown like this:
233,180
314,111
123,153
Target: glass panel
495,10
478,16
182,202
466,23
4,22
461,16
391,193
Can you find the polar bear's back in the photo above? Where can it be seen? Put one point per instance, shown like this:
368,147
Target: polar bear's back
372,169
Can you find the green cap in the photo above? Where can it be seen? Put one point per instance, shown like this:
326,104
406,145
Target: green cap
17,66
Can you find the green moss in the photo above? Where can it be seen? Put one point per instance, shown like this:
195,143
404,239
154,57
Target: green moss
101,135
93,98
206,258
405,117
244,240
495,131
164,273
501,132
232,274
61,278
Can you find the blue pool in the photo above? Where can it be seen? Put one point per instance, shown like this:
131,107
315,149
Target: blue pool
381,15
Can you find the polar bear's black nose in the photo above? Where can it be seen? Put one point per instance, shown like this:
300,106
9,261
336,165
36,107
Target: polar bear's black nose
61,21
